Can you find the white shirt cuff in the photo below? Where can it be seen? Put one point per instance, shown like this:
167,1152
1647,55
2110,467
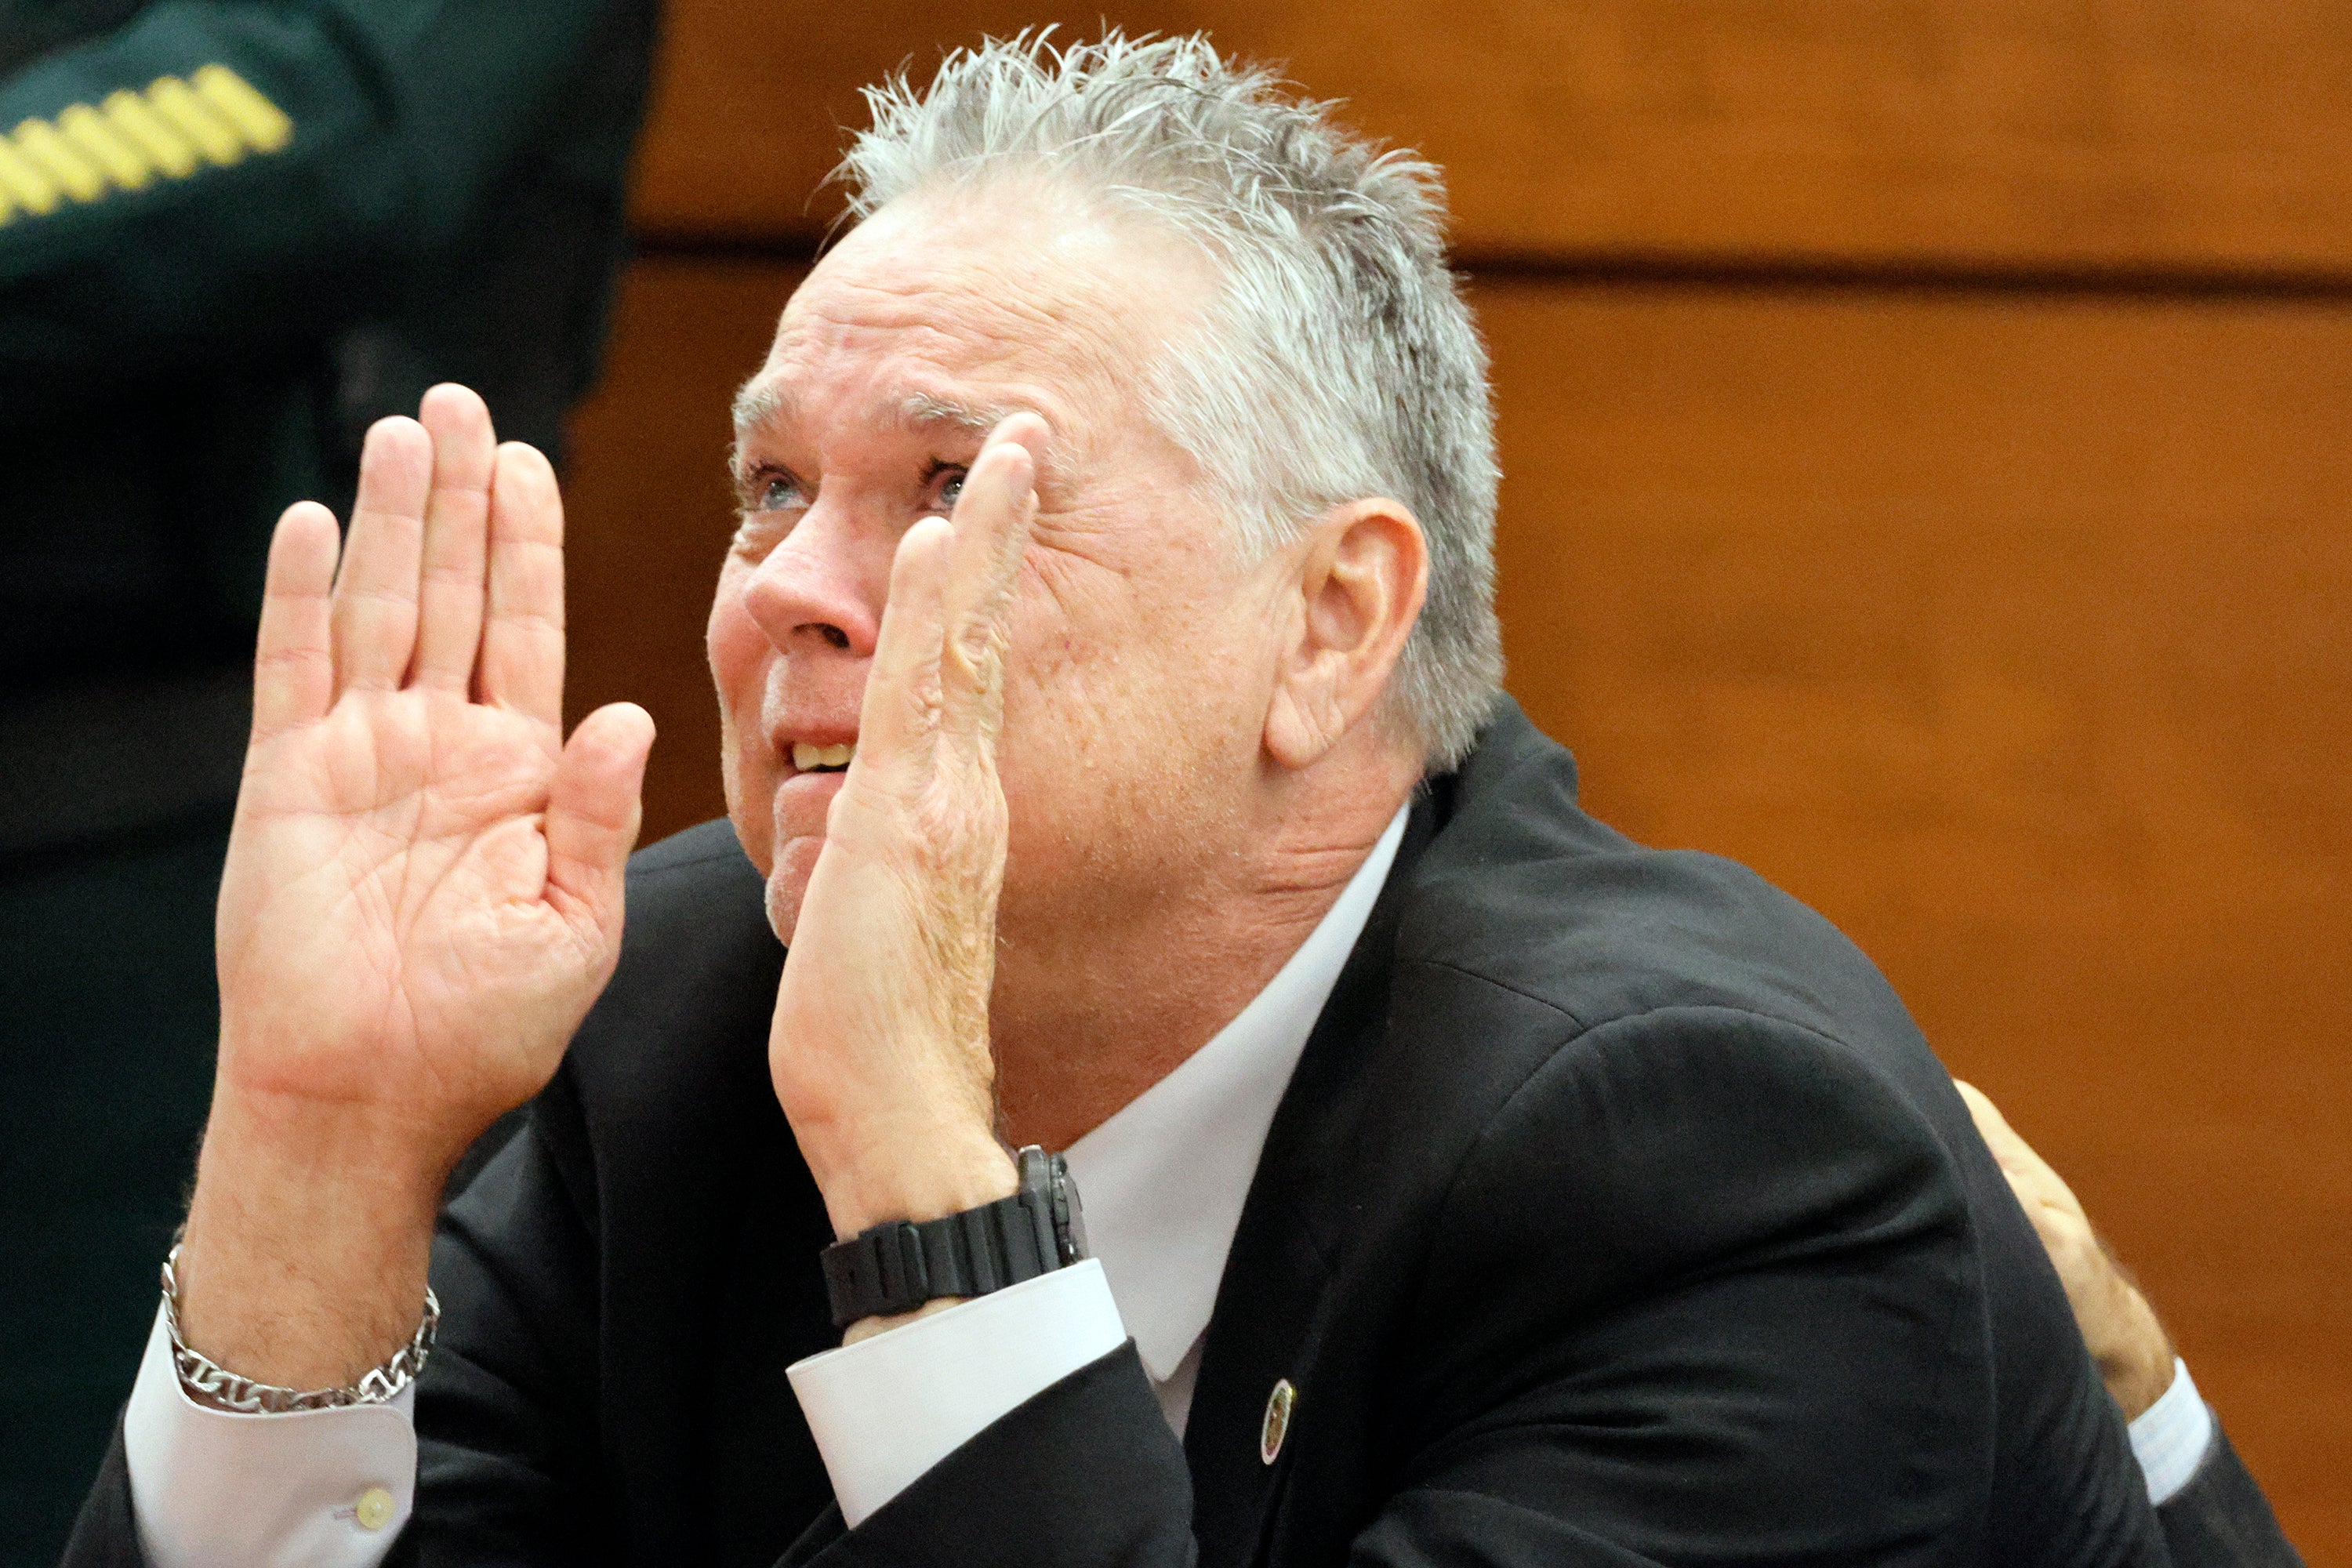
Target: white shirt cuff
2170,1437
887,1408
318,1489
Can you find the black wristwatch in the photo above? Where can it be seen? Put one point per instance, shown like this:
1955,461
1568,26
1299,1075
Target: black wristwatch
898,1265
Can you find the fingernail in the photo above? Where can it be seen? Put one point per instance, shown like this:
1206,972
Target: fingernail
1026,469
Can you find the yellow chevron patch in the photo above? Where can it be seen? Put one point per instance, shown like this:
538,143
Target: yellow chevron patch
213,119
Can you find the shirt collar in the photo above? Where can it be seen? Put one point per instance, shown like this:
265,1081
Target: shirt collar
1163,1182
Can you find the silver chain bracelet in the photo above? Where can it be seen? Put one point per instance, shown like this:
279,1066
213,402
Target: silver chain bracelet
215,1385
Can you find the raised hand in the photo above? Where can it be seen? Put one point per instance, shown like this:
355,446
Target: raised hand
423,893
880,1050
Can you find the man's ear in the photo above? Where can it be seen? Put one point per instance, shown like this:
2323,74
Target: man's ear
1354,591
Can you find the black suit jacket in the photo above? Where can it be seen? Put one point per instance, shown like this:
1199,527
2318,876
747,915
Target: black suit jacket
1616,1215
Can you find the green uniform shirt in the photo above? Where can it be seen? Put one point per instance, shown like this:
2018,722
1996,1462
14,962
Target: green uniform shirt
233,234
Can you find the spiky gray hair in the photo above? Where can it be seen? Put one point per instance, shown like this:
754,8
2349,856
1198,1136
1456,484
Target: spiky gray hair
1340,360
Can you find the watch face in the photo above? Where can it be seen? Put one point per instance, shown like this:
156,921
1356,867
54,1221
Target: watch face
1069,1217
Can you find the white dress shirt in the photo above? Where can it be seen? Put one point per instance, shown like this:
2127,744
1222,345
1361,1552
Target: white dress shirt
1164,1181
2169,1437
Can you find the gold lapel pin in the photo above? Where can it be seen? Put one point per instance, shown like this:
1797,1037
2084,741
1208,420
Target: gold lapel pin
1277,1426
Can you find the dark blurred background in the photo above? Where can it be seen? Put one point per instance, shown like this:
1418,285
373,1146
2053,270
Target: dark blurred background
1927,438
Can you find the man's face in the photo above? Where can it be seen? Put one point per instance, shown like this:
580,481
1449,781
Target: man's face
1142,657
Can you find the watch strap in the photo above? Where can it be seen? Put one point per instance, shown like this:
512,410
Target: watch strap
898,1265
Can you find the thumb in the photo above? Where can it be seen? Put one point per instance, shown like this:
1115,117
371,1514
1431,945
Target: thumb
593,810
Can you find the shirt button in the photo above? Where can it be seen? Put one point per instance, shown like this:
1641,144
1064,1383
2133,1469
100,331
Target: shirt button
373,1511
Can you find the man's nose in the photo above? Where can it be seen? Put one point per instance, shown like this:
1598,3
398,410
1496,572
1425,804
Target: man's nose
823,586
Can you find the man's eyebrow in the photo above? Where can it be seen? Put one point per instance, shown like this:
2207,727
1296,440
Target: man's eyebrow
923,410
758,405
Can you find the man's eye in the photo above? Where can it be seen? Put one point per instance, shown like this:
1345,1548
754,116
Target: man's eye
778,492
951,487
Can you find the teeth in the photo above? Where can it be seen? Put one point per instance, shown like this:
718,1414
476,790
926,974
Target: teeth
805,756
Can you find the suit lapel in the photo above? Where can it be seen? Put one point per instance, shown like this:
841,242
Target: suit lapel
1287,1249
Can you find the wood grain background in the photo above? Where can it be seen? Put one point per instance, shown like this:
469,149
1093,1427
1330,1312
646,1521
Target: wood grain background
1927,429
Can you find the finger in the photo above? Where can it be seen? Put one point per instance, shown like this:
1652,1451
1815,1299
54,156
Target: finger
522,638
456,518
594,806
375,611
992,520
294,656
898,717
2038,1186
2009,1150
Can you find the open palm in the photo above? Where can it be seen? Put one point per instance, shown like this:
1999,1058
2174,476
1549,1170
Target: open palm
422,891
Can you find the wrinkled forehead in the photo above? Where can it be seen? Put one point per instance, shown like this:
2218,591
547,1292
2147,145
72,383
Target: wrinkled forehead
956,312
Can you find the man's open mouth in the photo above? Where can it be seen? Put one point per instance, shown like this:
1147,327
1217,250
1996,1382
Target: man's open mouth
808,759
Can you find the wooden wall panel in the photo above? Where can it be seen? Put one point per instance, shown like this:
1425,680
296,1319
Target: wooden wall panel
2013,636
648,512
2156,134
2010,632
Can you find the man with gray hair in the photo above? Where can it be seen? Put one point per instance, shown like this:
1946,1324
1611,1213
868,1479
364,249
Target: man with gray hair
1113,740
